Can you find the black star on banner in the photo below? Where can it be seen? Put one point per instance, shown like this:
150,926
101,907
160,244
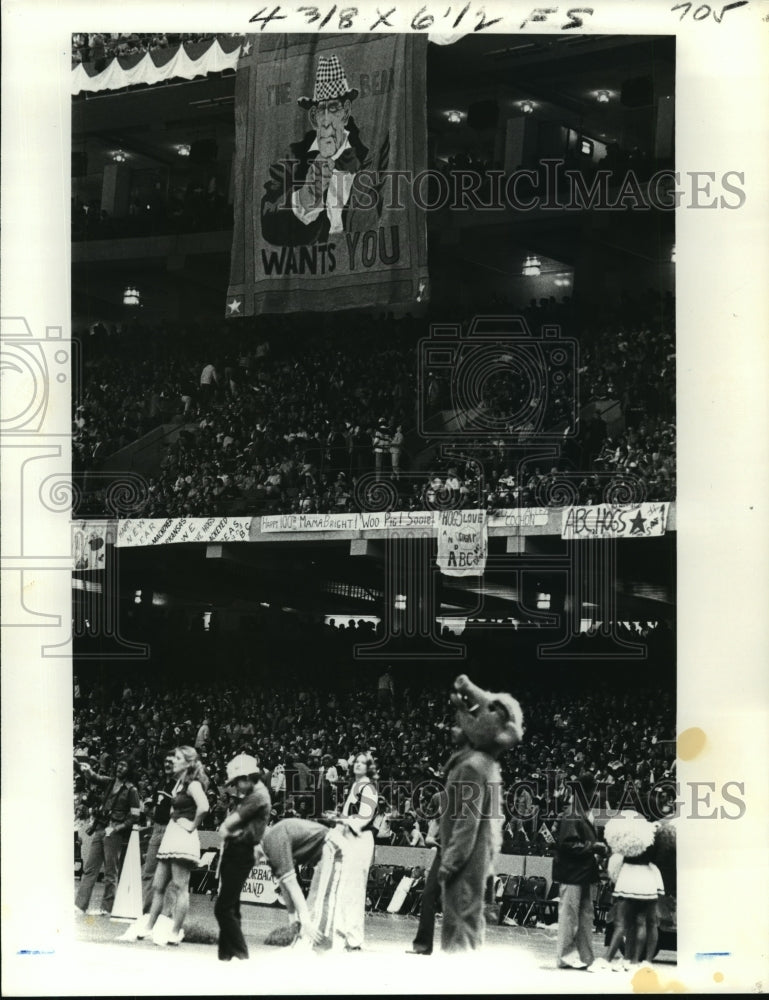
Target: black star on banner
638,524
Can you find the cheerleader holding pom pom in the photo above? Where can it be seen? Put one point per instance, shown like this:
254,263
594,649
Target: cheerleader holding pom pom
637,886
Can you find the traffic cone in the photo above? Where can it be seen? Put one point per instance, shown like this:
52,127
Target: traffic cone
128,898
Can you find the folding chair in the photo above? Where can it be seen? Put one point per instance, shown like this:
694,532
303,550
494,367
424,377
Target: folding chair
602,905
510,896
400,899
416,892
379,885
394,874
550,905
531,899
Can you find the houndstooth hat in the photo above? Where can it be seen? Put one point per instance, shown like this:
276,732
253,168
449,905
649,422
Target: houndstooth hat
330,82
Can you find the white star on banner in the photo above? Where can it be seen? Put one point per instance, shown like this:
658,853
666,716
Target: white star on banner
234,306
246,50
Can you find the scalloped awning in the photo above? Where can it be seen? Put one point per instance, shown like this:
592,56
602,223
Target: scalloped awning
182,62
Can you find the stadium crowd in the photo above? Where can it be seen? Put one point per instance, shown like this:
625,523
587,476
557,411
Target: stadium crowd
306,731
292,419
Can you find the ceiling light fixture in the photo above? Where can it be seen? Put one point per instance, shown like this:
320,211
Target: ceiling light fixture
527,107
131,296
119,156
183,149
455,117
531,267
603,96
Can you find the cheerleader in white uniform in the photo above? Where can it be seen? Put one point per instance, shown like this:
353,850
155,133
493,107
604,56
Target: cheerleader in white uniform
179,850
358,815
637,886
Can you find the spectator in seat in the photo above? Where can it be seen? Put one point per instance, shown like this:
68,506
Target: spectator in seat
396,451
383,832
386,688
209,382
381,445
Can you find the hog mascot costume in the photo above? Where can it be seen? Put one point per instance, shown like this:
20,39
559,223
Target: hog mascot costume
471,825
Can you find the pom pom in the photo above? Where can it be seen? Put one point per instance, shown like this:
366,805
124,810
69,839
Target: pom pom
282,937
629,836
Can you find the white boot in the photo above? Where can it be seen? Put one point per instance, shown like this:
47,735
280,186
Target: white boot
162,930
137,930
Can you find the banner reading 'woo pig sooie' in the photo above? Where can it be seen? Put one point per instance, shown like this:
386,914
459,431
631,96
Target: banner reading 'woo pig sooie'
322,125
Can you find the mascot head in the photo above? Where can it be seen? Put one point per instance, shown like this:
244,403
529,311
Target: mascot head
491,722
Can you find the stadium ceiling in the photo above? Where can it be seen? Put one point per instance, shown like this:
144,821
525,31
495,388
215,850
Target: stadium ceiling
561,75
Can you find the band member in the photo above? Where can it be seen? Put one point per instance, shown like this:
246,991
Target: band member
358,815
301,841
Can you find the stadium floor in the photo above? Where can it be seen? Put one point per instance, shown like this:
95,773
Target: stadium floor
515,960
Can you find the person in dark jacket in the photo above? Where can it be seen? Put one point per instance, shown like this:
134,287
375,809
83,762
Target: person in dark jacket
576,869
117,812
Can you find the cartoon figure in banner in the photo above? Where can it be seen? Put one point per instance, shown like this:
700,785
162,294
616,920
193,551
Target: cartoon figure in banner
471,825
313,194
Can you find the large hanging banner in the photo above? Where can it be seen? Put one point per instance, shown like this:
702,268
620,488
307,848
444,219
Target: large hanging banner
323,125
90,541
462,542
643,520
159,531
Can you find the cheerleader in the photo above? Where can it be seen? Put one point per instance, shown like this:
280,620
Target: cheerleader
637,886
358,814
179,851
